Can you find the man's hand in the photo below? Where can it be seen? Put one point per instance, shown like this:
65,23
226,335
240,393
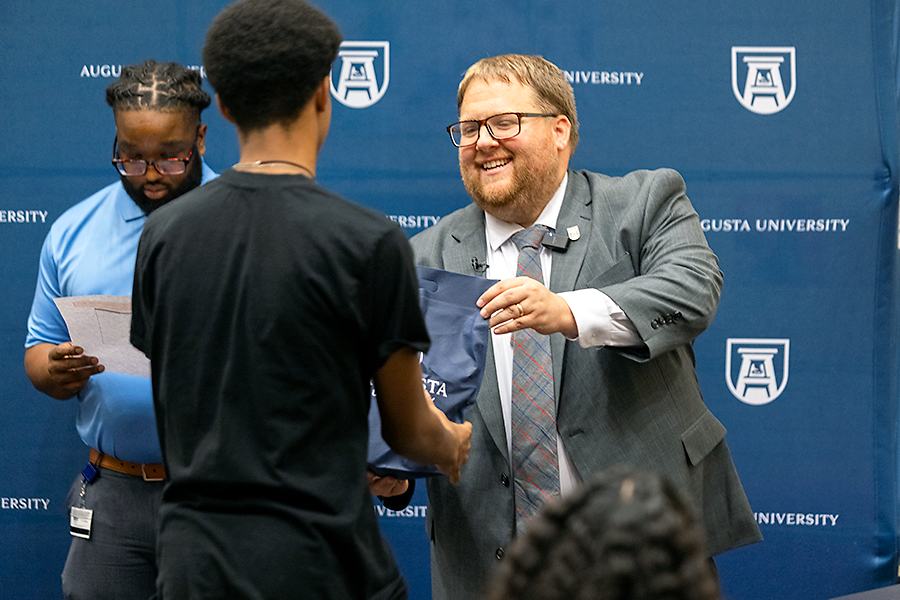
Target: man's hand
462,436
386,486
60,371
411,424
521,303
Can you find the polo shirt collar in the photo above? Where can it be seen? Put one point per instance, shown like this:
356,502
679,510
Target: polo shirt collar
127,208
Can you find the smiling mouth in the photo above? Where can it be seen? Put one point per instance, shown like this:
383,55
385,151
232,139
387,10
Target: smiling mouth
495,164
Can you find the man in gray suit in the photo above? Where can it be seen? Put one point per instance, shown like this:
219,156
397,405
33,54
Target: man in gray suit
632,282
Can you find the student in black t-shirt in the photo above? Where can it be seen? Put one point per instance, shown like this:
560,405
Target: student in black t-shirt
266,305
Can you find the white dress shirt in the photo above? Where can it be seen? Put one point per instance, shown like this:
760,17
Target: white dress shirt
600,321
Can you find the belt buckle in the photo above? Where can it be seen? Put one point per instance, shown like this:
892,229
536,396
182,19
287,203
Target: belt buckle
148,478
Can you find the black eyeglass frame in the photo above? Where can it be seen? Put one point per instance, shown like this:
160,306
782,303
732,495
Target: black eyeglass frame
147,164
484,123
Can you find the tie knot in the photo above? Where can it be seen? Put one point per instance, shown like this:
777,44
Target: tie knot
530,237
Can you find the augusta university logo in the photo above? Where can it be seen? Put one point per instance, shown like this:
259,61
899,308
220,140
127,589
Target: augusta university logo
763,78
756,370
365,71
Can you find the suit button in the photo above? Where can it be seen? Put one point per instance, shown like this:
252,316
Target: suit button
504,480
654,324
499,553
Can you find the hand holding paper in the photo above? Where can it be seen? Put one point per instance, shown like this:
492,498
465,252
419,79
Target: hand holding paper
101,325
60,371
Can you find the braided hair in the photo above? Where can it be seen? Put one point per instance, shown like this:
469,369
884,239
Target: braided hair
624,535
158,86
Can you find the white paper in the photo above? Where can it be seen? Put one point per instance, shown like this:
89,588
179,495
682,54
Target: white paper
102,326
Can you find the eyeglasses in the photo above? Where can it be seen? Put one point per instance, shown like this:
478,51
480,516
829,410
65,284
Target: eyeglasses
135,167
500,127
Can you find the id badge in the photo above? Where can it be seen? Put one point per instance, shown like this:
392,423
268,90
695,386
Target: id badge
80,522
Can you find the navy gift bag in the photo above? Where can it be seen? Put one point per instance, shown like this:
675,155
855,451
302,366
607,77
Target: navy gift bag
452,369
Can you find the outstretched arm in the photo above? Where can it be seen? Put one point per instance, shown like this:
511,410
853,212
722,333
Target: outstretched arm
410,422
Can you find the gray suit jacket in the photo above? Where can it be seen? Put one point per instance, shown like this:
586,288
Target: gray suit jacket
641,244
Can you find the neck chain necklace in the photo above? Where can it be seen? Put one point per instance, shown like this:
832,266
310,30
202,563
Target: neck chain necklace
267,163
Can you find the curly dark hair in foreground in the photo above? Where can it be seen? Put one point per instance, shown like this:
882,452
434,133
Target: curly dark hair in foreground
625,535
265,58
158,86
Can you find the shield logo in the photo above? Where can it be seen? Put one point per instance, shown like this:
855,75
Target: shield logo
756,370
763,78
363,77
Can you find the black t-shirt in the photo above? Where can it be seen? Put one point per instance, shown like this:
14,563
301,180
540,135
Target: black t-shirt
266,304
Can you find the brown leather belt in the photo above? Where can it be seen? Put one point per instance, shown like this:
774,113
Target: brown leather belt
150,472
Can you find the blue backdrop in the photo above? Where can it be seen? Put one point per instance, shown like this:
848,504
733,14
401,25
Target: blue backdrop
782,117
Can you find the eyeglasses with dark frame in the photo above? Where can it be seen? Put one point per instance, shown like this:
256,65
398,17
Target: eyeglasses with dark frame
500,127
135,167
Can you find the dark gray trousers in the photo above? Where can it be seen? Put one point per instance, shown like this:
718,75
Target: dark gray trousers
119,559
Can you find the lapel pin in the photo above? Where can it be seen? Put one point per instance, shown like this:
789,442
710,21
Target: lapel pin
574,232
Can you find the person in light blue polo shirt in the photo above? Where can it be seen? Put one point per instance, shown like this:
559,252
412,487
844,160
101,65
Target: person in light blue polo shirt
90,250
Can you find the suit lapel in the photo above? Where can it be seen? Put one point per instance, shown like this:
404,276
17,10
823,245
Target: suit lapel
469,234
471,243
575,212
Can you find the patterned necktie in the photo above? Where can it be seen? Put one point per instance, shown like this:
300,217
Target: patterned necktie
534,447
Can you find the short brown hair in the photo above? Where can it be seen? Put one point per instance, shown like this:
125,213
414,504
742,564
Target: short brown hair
549,83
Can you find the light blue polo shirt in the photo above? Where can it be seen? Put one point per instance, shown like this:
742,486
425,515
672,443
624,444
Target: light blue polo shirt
91,250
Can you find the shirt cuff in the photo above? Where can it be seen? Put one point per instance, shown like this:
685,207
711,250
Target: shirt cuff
600,321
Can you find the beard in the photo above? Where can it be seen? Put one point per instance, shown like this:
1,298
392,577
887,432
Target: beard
193,178
533,183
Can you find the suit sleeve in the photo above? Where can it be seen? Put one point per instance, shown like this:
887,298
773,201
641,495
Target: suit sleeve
675,291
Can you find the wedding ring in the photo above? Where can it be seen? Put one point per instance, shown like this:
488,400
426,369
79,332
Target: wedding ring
521,310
